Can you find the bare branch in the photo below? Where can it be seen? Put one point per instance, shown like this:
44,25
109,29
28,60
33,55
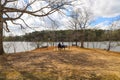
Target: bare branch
11,0
10,18
52,7
6,27
17,24
5,2
52,10
26,24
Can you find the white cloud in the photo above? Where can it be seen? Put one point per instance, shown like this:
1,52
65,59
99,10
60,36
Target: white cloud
104,8
104,25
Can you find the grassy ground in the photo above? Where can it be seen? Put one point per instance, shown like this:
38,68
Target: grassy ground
70,64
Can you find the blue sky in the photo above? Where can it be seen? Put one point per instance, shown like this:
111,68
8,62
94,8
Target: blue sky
104,12
108,20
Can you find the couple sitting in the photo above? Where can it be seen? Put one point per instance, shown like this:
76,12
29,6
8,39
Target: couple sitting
61,46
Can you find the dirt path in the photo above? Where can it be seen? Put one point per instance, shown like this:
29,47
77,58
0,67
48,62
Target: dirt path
64,62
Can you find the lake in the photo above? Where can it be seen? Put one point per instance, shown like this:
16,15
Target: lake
13,47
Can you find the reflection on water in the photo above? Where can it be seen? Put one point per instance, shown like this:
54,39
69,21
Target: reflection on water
13,47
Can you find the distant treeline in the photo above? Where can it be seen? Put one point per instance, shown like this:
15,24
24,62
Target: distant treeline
68,35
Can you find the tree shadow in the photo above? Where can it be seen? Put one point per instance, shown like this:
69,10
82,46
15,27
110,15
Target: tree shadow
26,75
82,59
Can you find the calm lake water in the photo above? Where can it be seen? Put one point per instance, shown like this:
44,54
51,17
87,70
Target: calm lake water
13,47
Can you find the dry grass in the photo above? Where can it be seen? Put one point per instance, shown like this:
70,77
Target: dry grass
70,64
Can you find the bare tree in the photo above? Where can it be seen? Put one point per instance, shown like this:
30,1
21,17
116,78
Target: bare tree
73,24
11,11
110,35
81,20
52,27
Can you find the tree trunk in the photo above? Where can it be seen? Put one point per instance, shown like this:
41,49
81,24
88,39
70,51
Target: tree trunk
109,43
76,43
82,39
1,38
38,45
82,43
1,30
109,46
